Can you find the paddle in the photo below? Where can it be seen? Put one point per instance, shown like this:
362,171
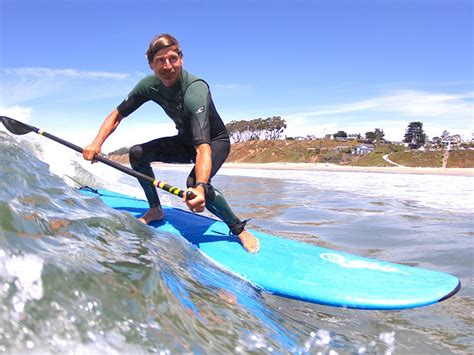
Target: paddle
20,128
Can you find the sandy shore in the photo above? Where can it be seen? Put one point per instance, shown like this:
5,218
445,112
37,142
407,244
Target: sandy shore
332,167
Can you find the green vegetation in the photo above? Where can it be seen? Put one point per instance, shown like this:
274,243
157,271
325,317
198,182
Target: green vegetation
375,158
461,159
275,151
434,159
430,159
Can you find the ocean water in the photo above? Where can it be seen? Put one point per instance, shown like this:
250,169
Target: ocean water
78,277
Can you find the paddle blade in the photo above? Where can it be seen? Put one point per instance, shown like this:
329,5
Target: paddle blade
17,127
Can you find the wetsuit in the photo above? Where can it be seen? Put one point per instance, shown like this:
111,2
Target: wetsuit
189,104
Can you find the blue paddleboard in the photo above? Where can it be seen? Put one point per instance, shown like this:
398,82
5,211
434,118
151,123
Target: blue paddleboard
299,270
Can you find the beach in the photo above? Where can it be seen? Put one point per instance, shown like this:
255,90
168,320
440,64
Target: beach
341,168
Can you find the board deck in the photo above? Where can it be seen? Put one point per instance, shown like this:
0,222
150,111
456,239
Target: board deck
299,270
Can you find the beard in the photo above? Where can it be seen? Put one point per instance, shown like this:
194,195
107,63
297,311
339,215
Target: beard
169,76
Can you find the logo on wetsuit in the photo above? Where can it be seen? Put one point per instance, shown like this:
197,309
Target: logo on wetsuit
200,110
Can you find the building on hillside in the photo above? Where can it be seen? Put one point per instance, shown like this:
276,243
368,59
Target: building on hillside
353,136
362,149
452,141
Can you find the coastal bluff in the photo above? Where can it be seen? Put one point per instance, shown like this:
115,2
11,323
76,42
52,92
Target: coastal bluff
337,153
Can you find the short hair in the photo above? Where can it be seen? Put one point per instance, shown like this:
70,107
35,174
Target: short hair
159,42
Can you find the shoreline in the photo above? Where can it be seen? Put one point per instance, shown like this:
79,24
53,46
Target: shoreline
348,168
469,172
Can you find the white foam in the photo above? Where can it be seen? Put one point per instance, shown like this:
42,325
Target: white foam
445,192
25,272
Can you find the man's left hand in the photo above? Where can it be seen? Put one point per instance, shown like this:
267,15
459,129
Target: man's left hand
198,203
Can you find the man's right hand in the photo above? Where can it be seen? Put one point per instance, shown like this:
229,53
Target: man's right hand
109,125
90,151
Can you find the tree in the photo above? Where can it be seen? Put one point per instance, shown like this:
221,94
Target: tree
340,135
414,135
379,134
437,142
236,130
376,136
275,127
370,136
270,128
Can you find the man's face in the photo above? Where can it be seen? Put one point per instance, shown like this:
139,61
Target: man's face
167,64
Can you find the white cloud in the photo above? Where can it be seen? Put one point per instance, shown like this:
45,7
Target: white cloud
48,73
406,101
22,85
21,113
418,103
391,112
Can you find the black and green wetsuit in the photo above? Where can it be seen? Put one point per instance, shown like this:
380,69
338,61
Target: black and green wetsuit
189,104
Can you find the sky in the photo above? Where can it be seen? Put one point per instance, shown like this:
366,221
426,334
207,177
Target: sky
322,65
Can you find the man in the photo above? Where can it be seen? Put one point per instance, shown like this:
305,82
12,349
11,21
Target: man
202,136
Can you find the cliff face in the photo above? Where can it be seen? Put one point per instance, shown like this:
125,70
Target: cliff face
323,151
291,151
119,158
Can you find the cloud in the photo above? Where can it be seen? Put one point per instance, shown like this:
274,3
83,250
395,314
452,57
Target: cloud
48,73
23,85
418,103
391,112
408,102
21,113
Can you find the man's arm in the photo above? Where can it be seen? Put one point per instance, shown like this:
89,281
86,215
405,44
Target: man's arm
203,171
196,102
109,125
203,162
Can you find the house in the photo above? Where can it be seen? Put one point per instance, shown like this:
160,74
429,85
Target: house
362,149
353,136
452,141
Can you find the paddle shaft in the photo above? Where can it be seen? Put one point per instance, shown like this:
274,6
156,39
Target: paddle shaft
24,128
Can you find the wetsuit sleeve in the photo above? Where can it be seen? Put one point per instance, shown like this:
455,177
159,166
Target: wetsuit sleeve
134,100
197,101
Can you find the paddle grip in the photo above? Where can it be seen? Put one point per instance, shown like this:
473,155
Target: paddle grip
190,195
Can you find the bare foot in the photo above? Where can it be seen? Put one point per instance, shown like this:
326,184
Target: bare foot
249,242
153,214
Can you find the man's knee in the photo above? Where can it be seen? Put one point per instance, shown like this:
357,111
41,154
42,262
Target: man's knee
135,154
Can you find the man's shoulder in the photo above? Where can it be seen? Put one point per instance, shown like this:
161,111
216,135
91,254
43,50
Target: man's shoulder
149,81
146,86
190,79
